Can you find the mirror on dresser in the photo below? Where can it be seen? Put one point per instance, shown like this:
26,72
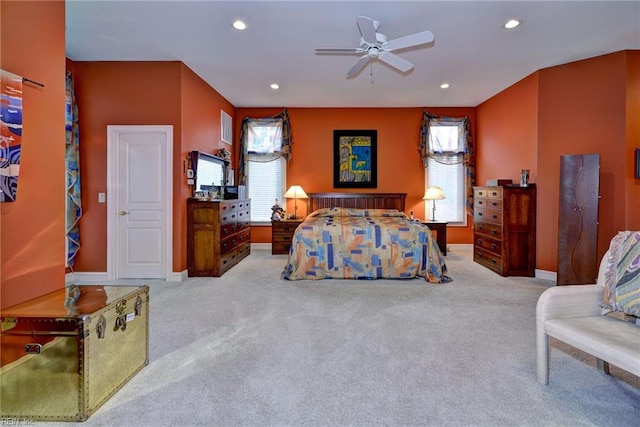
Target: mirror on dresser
209,171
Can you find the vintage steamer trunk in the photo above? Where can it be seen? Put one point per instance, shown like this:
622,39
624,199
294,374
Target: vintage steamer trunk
65,353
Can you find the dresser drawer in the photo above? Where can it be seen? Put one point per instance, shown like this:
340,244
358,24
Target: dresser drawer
487,259
244,236
487,203
244,250
244,205
228,206
285,227
228,216
493,245
244,216
228,260
244,225
492,216
228,244
228,229
492,230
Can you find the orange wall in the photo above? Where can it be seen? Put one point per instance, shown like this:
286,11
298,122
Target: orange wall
32,245
632,220
582,110
200,117
116,93
140,93
588,106
400,168
508,133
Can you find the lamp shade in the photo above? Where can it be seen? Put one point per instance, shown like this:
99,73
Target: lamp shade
434,193
295,192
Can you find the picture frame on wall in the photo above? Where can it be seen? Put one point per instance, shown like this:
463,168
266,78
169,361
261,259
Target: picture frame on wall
355,158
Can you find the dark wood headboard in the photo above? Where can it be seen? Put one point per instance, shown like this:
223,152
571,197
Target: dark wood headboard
357,200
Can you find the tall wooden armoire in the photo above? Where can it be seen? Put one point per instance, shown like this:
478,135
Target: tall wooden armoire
578,219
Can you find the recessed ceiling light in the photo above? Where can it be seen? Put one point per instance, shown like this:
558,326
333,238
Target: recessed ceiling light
512,23
239,25
445,86
275,86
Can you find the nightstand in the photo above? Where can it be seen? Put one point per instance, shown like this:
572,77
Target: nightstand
282,234
439,230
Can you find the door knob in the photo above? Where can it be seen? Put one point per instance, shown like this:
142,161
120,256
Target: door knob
124,213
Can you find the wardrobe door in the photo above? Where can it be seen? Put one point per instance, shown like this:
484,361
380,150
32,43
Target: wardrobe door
578,219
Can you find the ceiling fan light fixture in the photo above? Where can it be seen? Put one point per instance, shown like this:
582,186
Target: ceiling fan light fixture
274,86
375,46
239,25
512,23
445,86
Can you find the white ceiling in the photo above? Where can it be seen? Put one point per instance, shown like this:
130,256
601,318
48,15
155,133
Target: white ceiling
472,51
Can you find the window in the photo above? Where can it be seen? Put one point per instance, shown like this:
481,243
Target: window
266,183
445,168
266,168
451,179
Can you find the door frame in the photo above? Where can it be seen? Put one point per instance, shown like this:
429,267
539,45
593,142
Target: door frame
113,177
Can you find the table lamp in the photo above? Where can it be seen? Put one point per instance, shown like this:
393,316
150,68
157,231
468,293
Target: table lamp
295,192
434,193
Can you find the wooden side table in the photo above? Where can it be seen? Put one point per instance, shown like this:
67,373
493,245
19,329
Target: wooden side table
439,229
282,234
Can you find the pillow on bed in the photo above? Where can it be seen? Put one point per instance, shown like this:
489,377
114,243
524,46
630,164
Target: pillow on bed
372,212
344,212
324,212
622,275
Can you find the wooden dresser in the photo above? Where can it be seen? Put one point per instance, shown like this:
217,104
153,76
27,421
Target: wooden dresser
218,235
504,238
281,235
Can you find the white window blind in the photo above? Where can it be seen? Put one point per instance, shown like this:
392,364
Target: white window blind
266,173
266,183
449,177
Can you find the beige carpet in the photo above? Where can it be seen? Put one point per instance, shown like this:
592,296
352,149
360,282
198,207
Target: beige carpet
249,349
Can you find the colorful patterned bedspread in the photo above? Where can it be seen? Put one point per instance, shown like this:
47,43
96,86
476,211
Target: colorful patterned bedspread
343,243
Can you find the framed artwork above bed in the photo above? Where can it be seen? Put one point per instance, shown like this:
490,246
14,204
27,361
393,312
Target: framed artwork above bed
355,158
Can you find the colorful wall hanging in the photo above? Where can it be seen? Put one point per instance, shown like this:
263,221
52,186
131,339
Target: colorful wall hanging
10,134
355,158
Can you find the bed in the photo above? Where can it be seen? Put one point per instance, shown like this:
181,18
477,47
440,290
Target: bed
362,236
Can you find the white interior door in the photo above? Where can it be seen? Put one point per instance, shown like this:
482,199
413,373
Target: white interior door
140,202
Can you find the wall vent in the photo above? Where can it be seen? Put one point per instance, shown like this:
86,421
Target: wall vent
226,127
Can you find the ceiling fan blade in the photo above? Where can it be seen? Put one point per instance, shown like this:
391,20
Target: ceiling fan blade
409,41
395,61
367,30
339,50
358,66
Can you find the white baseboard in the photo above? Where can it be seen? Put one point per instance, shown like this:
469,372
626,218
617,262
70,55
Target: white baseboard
547,275
179,276
261,246
93,277
463,246
86,277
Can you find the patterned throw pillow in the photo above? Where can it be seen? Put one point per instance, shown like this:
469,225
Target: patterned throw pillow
622,276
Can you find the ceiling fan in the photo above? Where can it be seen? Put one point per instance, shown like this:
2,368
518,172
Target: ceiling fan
374,45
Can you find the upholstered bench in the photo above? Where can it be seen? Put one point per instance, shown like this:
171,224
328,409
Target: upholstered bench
574,315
